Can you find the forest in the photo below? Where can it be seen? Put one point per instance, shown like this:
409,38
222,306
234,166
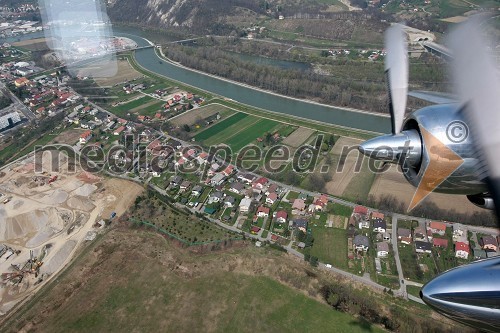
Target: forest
357,90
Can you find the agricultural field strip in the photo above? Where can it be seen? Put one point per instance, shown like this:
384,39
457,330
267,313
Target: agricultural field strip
215,129
225,134
154,104
133,104
235,130
250,134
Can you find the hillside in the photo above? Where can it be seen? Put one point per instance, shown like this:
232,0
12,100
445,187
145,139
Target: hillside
134,280
209,16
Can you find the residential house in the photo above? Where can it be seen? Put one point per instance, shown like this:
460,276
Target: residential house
180,161
229,201
406,240
298,206
360,210
189,154
281,216
202,158
462,250
488,243
363,222
271,198
361,243
196,191
245,205
379,226
85,137
429,235
215,197
237,188
228,170
320,202
260,183
176,180
262,211
273,188
153,145
420,234
21,82
300,223
377,216
437,228
440,242
185,185
404,233
254,230
218,179
174,143
423,247
382,249
246,177
119,130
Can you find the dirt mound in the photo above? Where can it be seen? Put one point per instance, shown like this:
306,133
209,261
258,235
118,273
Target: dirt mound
55,198
43,223
58,259
80,203
85,190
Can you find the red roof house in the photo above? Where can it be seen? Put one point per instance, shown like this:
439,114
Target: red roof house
440,242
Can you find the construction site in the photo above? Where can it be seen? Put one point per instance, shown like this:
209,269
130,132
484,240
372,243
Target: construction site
46,216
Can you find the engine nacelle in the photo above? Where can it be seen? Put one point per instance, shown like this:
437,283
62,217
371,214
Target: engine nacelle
482,200
448,131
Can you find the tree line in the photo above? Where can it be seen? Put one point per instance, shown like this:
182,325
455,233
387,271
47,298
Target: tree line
301,84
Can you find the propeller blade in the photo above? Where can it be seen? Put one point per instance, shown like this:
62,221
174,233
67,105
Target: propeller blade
396,71
477,83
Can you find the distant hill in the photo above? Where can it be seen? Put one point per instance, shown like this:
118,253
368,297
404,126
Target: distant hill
201,16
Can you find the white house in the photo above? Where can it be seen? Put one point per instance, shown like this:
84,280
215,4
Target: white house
382,250
218,179
462,250
245,205
361,243
271,198
262,211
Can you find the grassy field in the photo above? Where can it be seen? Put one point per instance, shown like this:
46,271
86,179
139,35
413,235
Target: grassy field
237,131
330,246
125,108
135,281
359,187
251,133
221,126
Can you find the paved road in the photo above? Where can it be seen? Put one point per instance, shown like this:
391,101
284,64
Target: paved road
17,103
402,286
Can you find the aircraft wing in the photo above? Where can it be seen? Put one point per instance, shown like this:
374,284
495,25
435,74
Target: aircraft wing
433,97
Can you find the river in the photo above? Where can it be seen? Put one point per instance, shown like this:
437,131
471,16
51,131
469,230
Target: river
349,118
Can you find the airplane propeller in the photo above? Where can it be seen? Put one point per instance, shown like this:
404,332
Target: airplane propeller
396,70
400,145
477,84
470,294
